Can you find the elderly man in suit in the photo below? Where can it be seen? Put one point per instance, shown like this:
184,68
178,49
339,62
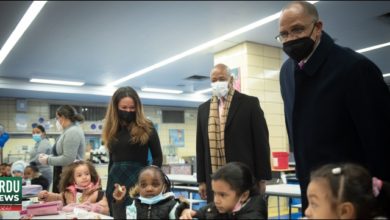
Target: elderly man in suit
230,127
335,100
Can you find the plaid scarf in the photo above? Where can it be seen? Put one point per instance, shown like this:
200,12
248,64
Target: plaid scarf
216,129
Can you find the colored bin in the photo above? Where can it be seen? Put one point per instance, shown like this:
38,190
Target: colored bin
280,160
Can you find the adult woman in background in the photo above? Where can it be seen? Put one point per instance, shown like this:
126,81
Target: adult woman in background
42,146
128,135
70,145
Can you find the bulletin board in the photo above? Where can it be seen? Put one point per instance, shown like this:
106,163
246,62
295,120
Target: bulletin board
176,137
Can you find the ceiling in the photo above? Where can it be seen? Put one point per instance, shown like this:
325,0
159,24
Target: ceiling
103,41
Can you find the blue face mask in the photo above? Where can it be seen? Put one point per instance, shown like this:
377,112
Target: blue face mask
36,137
153,200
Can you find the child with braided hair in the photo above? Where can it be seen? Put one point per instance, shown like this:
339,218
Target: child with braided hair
151,197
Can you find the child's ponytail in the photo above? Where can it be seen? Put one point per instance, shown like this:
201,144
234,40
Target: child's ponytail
134,191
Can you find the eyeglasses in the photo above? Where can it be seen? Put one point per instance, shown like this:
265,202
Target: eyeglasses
295,32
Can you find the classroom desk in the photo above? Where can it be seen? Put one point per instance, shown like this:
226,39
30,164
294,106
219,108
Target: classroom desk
284,170
190,190
183,179
187,188
281,174
63,215
284,190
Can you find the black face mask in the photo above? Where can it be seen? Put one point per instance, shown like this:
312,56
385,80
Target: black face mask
126,116
299,49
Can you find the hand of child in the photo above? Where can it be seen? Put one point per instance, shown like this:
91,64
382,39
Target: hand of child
69,207
187,214
96,207
43,195
119,192
86,206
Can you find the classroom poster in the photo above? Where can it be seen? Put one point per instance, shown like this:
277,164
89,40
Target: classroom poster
176,137
237,78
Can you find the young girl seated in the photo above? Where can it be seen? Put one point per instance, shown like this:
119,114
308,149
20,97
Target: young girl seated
152,197
346,191
17,168
235,196
79,187
32,173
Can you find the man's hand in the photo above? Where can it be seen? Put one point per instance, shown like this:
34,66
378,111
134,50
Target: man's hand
203,190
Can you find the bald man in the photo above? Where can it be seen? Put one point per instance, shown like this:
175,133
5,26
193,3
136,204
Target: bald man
231,127
336,102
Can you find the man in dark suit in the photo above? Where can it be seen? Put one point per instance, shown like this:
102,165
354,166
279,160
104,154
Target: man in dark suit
337,106
231,127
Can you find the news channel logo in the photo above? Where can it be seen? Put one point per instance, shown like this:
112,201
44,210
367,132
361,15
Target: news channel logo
10,193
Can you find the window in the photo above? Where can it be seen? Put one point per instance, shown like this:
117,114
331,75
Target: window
172,116
90,113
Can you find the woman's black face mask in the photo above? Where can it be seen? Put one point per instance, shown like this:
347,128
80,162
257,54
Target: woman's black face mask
126,116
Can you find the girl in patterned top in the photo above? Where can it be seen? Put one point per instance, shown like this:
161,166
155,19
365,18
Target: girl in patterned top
79,187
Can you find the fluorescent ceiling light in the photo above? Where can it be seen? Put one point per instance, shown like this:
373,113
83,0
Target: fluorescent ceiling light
23,24
57,82
161,90
201,47
203,91
386,75
373,47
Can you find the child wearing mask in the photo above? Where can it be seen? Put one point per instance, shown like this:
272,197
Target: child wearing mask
236,196
32,174
346,191
152,196
79,187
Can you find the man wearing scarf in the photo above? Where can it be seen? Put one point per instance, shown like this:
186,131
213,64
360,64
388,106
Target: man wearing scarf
230,127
